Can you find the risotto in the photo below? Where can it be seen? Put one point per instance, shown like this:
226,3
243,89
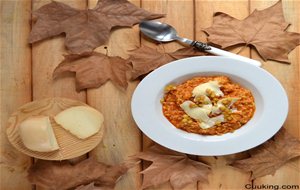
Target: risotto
208,105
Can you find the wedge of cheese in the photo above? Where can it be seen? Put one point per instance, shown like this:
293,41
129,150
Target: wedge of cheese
37,134
81,121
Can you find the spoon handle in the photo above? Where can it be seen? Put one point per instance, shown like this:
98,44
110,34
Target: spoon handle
205,47
200,45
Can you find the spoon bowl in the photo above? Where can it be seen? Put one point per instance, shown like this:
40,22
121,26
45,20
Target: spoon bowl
158,31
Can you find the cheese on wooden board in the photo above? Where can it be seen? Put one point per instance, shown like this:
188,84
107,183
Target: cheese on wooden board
81,121
37,134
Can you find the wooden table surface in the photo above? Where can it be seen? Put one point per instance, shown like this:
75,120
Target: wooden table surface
26,75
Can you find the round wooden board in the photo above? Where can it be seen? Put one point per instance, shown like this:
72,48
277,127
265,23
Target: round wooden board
70,146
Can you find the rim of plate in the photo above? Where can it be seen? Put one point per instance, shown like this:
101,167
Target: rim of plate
270,99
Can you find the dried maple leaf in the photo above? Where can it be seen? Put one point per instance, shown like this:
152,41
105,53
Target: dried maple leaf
171,166
63,175
265,30
94,70
85,29
271,155
145,59
90,186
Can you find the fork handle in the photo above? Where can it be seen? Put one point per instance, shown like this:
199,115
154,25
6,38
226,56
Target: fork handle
216,51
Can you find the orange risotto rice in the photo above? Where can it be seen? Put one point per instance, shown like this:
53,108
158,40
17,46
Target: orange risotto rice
235,115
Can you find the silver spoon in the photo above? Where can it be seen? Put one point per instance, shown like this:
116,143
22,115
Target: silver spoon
165,33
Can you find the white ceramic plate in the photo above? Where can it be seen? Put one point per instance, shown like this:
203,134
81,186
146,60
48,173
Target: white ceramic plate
270,99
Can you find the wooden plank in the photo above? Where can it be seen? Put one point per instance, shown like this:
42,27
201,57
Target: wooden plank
179,14
223,176
288,75
121,138
15,87
46,55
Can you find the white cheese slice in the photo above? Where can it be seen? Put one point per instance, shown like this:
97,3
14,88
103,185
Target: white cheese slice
37,134
194,112
208,106
216,108
200,114
212,121
81,121
212,85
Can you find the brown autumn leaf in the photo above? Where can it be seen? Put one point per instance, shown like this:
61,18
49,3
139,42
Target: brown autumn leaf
145,59
171,166
265,30
270,156
93,70
62,175
85,29
90,186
